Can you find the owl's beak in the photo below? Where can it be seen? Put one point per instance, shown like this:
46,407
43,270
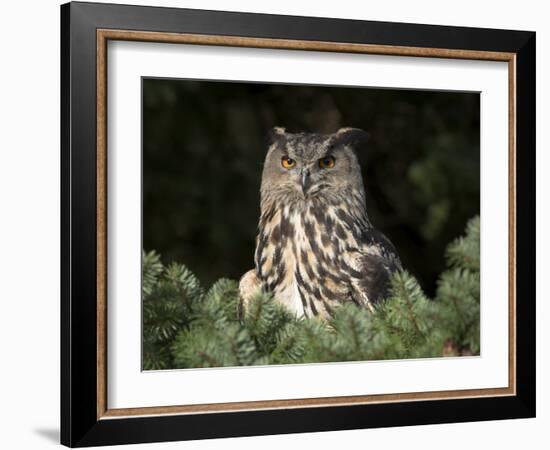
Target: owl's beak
305,180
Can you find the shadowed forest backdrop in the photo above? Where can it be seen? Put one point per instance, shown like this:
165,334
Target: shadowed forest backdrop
204,143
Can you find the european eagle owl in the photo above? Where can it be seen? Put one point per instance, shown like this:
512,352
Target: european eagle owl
316,247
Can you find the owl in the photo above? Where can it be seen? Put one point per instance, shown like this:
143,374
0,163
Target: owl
316,247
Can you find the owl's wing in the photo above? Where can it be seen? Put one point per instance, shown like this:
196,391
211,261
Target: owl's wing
378,259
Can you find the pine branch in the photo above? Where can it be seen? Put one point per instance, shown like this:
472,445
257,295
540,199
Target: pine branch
185,327
263,319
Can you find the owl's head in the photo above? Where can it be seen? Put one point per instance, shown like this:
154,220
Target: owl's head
299,166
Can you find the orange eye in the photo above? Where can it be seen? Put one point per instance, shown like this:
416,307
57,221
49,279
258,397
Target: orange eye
327,162
287,163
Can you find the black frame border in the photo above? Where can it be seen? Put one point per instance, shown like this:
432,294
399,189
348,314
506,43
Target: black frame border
79,423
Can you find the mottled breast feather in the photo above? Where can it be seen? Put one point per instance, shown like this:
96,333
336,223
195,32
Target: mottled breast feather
319,253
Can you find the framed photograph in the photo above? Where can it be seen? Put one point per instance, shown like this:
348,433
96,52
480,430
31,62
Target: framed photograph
277,224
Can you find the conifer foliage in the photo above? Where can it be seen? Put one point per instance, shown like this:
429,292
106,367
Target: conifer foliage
186,326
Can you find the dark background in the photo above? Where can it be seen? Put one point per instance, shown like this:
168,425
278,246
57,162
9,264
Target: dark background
204,144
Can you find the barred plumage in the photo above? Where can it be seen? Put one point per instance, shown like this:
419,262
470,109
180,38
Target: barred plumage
316,247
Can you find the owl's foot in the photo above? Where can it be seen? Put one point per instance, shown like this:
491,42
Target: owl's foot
249,285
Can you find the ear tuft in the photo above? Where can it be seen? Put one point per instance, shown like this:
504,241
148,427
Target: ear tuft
275,134
354,137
